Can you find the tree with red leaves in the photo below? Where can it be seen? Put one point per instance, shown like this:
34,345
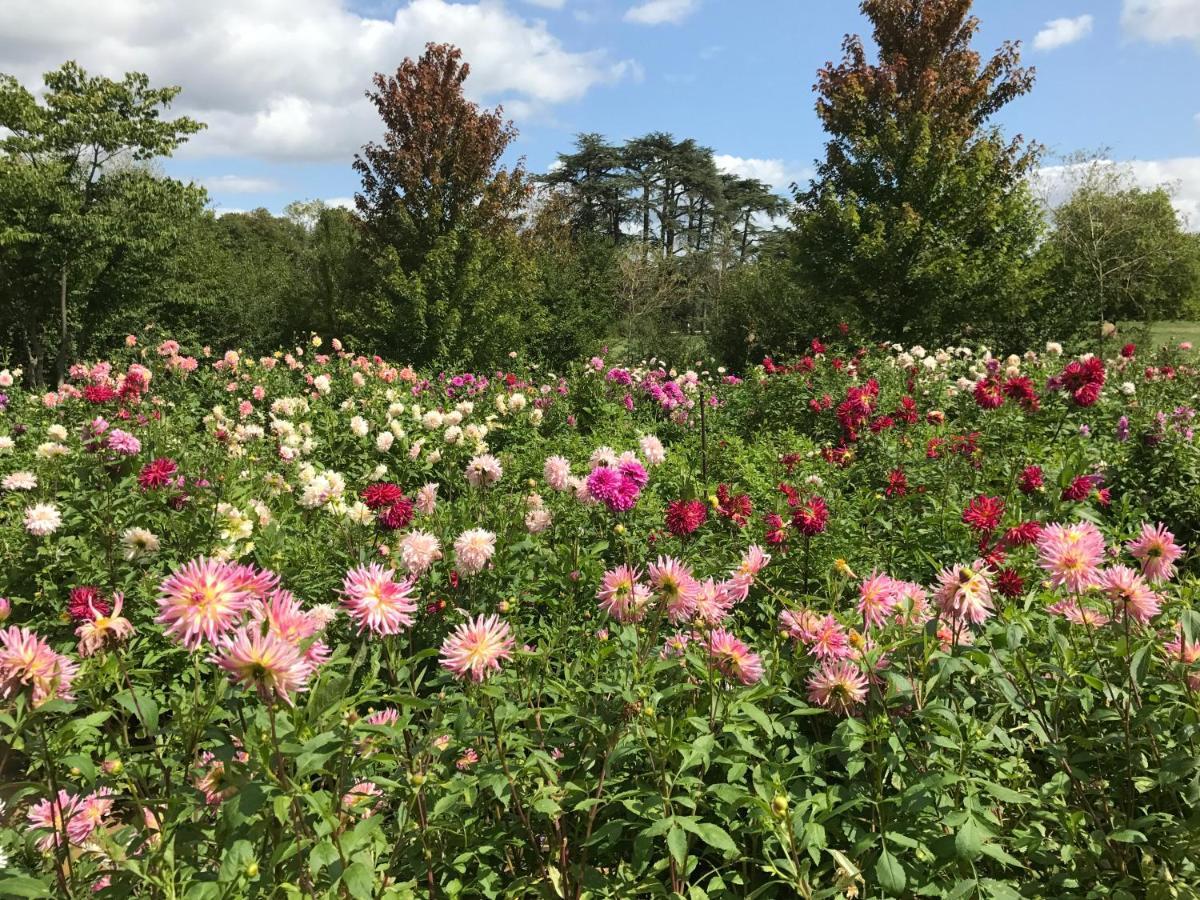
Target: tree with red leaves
920,215
441,211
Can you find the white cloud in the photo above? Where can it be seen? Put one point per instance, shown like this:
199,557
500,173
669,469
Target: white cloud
341,202
548,4
1162,20
1179,175
659,12
239,184
286,78
773,172
1060,32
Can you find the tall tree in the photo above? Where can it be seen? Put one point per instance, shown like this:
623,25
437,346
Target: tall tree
441,212
72,165
438,167
920,214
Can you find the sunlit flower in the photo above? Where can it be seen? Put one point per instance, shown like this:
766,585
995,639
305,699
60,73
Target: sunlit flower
200,601
363,799
1157,551
713,603
26,661
419,550
376,602
732,658
104,630
19,481
263,661
475,648
964,593
139,543
557,472
484,470
42,519
674,583
473,549
839,686
54,814
1129,593
877,599
622,595
1071,554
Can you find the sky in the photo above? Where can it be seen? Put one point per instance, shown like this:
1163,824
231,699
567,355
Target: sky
281,83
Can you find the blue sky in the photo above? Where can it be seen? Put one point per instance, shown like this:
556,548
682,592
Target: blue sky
280,81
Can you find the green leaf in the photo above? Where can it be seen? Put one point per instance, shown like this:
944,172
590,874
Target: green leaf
141,705
1003,794
359,880
677,844
23,886
1127,836
889,873
968,843
321,855
713,835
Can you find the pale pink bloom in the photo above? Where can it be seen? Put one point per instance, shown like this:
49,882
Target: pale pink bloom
733,659
468,759
839,686
754,560
798,625
388,716
376,602
676,644
622,595
877,599
948,636
54,813
100,632
168,348
557,472
475,647
484,470
426,501
674,583
26,661
363,799
604,456
1129,593
123,442
1077,614
964,593
1155,547
92,813
713,603
652,450
538,520
264,661
912,607
737,587
473,549
287,620
829,640
42,519
419,550
201,601
1071,554
1180,650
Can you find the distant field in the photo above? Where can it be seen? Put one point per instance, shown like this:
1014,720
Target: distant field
1173,332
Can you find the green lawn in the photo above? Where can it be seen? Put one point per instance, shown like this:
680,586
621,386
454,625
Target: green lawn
1174,332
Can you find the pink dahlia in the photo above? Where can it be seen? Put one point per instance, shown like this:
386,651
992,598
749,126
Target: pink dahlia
201,601
674,583
557,472
476,647
732,658
419,550
839,686
1157,551
26,661
264,661
964,594
877,599
104,630
1071,554
622,595
1129,594
376,601
473,550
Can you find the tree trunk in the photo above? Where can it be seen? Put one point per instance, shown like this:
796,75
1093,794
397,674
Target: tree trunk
64,338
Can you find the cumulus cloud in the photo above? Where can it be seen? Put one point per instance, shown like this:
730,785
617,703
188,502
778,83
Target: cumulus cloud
285,79
1179,175
1162,20
239,184
1060,32
776,173
548,4
660,12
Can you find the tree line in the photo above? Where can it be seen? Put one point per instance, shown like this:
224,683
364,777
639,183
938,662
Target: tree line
922,223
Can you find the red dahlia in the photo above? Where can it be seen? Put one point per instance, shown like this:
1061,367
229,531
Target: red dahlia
99,393
811,517
380,495
157,473
1031,479
398,515
983,513
1009,583
86,602
685,516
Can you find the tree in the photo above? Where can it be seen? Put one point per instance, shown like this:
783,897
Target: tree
920,216
1116,249
71,167
441,210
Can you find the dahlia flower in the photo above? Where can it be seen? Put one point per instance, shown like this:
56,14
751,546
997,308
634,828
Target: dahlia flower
376,602
557,472
674,583
1071,554
264,661
473,549
201,601
732,658
1129,593
419,550
104,630
877,599
964,594
1157,551
839,686
26,661
484,470
476,647
42,519
622,595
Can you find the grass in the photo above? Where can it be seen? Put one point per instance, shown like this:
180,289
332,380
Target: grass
1174,332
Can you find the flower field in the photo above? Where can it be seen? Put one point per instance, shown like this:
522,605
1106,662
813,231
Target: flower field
877,621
